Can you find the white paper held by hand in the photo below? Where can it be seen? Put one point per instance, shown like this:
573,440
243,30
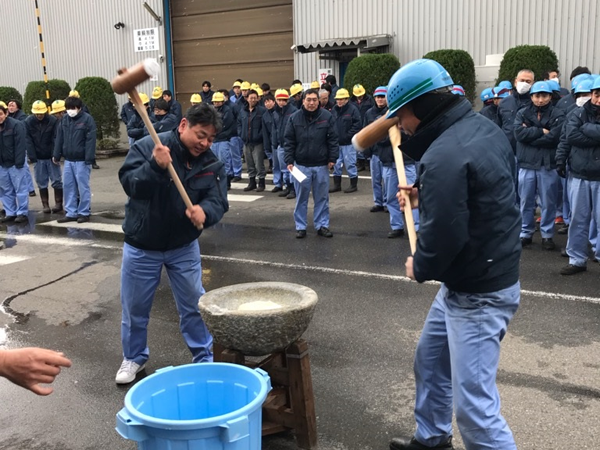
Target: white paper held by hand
298,175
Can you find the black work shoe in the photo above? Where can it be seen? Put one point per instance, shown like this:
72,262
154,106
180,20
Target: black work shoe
324,231
563,230
236,179
300,234
570,269
95,166
563,252
548,244
277,189
21,219
525,241
67,219
376,208
7,219
32,193
413,444
83,219
396,233
291,195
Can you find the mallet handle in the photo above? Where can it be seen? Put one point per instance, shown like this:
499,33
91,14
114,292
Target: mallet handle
373,133
395,138
137,102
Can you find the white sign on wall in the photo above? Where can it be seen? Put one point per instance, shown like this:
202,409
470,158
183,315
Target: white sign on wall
323,73
145,39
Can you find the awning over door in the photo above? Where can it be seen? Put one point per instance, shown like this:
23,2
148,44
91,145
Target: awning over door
363,42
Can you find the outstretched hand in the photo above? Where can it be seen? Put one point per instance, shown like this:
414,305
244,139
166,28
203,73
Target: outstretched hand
28,367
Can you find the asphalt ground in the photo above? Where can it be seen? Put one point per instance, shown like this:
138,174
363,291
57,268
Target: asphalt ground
60,289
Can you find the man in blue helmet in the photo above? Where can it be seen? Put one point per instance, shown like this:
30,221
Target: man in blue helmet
507,110
578,74
537,130
489,110
469,241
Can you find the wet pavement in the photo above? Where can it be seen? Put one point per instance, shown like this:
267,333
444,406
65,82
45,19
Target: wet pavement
60,289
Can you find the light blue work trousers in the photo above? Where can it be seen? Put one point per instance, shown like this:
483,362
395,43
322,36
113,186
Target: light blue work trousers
545,184
45,170
347,159
140,276
14,189
379,190
317,179
76,185
584,196
390,181
237,147
279,159
223,151
455,366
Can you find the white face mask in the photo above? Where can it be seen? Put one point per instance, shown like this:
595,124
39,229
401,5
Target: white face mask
582,101
72,112
523,88
555,79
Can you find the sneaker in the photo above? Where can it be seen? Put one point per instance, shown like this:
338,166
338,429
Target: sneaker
396,234
376,208
83,219
300,234
21,219
570,269
128,371
324,231
548,244
67,219
525,241
559,220
563,230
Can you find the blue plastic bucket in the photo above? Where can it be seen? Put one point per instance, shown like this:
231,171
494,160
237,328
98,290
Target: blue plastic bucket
208,406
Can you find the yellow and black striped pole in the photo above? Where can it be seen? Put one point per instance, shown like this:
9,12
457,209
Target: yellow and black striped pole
39,28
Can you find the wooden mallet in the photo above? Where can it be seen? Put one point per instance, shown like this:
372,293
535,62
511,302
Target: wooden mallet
368,137
126,82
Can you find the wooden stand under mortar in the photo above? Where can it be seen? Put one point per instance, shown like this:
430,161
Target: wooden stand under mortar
290,405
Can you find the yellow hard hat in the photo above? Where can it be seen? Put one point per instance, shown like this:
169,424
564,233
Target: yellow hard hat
3,104
296,89
238,84
245,86
315,85
195,99
259,91
156,93
254,86
58,106
218,97
358,90
342,93
281,94
39,107
74,93
145,98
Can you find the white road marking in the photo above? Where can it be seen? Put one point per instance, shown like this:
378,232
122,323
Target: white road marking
71,242
243,198
96,226
8,259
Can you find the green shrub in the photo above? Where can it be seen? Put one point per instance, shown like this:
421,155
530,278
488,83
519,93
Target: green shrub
36,90
371,70
460,66
107,144
97,94
9,93
538,58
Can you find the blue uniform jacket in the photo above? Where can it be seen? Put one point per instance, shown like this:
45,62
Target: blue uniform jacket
207,96
491,112
175,109
507,111
40,137
250,124
136,129
127,110
76,138
469,222
366,104
534,148
281,117
155,213
18,115
347,121
583,135
168,122
268,120
311,139
371,116
13,143
229,120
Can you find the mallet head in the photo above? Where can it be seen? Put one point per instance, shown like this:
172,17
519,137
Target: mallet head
128,79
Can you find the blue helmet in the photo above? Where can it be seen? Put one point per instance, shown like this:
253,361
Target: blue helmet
413,80
583,87
540,86
505,85
457,89
596,84
579,78
487,94
554,86
501,92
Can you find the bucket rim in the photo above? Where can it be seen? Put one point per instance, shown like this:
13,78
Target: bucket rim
214,421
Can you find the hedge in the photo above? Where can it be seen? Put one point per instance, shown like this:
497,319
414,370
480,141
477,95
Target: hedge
460,66
97,94
8,93
36,90
371,70
538,58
